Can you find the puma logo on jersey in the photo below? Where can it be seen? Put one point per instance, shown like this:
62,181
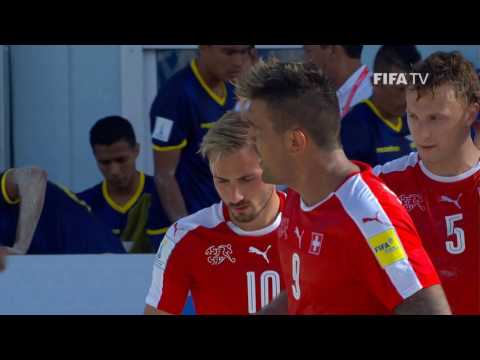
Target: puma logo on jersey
412,201
299,236
254,250
456,202
218,254
375,218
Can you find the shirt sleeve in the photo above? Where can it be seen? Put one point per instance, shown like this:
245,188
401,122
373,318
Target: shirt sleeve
169,119
170,278
5,198
394,263
158,222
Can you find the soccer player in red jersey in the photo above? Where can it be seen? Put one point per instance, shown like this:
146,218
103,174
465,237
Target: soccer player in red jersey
226,255
346,243
440,185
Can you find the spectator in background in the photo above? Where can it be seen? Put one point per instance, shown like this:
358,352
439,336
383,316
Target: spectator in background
182,112
251,60
342,65
376,131
39,217
126,201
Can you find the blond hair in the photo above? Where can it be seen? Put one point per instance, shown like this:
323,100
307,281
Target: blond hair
227,135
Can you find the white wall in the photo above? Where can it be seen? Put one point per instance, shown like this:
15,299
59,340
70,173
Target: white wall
58,93
4,109
76,285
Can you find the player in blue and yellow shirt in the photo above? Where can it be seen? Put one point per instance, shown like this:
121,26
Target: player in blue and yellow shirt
40,217
126,200
375,131
182,112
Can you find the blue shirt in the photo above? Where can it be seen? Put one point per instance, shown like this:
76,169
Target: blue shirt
66,225
367,136
115,216
181,114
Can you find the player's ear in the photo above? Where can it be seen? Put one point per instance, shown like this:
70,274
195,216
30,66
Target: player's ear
136,150
472,113
295,141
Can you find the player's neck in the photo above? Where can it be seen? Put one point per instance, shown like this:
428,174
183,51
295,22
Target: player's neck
122,195
210,80
323,175
265,218
386,115
345,69
462,160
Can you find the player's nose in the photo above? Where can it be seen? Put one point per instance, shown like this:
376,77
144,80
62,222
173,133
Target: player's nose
423,134
235,194
114,170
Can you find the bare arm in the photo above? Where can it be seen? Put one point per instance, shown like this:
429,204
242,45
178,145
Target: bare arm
167,186
150,310
29,185
429,301
3,258
279,306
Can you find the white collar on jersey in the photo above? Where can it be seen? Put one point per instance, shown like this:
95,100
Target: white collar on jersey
260,232
449,179
307,208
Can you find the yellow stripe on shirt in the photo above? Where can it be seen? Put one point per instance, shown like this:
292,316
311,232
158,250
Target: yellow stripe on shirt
4,190
157,231
386,149
170,148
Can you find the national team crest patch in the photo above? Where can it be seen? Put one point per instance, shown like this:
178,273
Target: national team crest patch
218,254
412,201
387,248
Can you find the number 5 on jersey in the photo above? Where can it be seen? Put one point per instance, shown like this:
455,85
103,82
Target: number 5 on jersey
459,246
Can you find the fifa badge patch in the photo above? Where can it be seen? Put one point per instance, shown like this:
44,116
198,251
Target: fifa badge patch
315,244
387,248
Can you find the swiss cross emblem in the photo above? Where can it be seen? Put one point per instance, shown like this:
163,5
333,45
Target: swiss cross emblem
315,243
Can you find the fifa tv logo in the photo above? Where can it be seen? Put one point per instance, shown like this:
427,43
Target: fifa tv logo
399,78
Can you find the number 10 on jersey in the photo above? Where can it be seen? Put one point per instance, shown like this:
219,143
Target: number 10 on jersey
269,289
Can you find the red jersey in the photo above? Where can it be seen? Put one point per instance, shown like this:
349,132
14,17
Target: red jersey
355,252
446,211
226,269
